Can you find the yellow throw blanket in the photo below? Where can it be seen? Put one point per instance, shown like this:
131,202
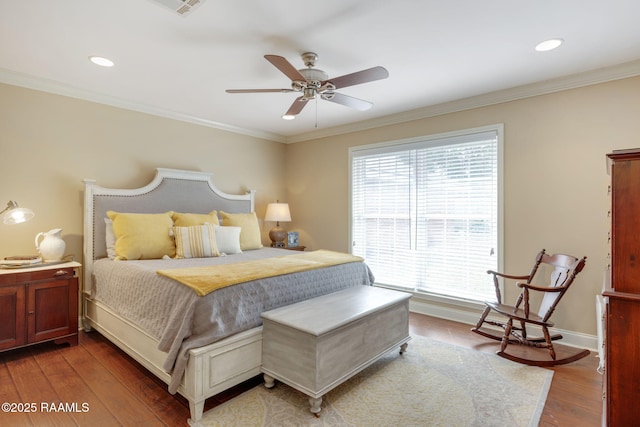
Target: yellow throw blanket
207,279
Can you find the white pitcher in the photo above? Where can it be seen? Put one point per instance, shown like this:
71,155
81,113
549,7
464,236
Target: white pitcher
52,246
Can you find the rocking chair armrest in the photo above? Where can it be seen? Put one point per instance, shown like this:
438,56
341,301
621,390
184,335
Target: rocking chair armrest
507,276
540,288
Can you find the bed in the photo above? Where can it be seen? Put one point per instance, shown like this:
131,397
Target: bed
199,343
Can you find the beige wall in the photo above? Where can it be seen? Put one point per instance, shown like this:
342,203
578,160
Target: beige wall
49,143
555,179
555,175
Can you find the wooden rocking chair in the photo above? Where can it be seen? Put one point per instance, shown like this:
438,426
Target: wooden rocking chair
566,268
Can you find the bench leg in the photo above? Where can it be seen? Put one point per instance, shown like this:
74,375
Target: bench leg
315,403
403,348
269,381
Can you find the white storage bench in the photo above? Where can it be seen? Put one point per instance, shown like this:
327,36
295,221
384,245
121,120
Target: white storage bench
317,344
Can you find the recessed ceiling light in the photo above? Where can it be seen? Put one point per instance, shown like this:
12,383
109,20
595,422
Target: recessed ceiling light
288,117
548,45
99,60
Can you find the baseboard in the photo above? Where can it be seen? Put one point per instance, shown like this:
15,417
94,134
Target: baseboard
470,315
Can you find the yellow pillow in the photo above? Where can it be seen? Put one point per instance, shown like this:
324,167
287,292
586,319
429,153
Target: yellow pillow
250,231
190,219
143,236
196,241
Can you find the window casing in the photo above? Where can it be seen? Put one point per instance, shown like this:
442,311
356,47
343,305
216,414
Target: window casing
426,213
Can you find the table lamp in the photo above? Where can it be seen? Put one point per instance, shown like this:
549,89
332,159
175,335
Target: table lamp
278,212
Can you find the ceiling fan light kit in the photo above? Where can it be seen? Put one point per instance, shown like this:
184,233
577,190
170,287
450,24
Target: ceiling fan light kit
312,82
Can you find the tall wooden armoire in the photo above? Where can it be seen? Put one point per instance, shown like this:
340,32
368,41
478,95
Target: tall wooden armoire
622,336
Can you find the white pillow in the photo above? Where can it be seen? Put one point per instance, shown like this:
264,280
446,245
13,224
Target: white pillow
110,238
248,222
196,241
228,239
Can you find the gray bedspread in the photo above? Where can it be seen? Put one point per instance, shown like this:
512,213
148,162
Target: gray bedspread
180,320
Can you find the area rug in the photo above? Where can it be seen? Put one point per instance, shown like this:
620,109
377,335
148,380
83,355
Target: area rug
432,384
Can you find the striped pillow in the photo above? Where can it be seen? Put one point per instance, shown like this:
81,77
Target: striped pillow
197,241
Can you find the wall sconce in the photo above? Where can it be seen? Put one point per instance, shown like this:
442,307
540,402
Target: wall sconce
14,214
278,212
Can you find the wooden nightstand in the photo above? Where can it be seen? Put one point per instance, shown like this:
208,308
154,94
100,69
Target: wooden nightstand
295,248
39,304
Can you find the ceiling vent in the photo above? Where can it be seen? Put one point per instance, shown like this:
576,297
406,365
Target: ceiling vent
182,7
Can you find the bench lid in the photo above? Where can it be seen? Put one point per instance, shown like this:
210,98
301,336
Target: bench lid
325,313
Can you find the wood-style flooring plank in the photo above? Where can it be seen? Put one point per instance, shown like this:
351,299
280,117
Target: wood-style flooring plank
34,388
125,406
9,394
150,390
89,409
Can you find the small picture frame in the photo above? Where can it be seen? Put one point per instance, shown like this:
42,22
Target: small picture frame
292,239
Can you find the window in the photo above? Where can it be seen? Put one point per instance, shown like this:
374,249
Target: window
425,212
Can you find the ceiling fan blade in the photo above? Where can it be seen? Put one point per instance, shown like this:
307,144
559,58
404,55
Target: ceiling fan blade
297,106
359,77
285,67
349,101
258,90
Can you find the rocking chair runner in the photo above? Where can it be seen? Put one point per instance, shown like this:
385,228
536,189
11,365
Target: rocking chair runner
566,268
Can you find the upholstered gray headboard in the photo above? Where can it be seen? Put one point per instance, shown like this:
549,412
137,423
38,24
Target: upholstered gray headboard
170,190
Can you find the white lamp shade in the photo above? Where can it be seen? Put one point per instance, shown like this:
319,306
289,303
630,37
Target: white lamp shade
13,214
278,212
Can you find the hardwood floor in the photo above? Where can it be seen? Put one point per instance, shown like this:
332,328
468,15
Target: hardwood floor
102,386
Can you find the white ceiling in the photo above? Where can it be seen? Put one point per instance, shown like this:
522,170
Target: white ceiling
436,52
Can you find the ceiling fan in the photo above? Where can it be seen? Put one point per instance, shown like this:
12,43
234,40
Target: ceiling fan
312,82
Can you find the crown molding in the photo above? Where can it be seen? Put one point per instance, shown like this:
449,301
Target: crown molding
602,75
50,86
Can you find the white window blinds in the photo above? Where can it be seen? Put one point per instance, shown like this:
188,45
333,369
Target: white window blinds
425,213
